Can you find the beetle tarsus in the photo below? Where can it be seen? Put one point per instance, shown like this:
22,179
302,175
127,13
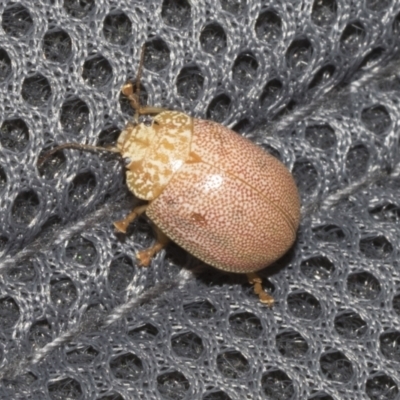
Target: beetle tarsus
122,224
264,297
144,256
128,91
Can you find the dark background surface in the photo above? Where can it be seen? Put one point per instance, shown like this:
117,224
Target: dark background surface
314,82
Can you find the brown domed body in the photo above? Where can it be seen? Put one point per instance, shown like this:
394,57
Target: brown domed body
230,204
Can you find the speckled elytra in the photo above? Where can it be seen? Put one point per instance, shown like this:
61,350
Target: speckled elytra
213,192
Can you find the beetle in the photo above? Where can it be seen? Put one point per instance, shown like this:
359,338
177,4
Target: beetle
213,192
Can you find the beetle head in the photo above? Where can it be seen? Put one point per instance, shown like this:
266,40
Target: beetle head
155,151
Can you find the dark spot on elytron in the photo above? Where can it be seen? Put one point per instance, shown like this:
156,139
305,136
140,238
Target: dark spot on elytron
192,159
198,219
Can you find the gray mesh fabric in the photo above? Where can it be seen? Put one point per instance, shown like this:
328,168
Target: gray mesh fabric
314,82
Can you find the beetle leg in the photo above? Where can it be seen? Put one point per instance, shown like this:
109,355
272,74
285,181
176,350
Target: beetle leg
256,281
144,256
151,110
127,90
122,225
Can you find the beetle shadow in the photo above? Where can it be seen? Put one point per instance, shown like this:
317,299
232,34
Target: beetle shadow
212,277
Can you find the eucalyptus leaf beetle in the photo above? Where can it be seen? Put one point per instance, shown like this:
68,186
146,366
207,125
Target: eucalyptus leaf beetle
213,192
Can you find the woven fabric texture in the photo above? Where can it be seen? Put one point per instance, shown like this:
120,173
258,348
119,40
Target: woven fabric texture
314,82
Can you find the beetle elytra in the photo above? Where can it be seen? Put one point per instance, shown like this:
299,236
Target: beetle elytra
213,192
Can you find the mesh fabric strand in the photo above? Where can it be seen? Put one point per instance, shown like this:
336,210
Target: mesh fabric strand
314,82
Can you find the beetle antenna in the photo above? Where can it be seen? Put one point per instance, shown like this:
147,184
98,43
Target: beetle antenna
77,146
138,79
133,93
